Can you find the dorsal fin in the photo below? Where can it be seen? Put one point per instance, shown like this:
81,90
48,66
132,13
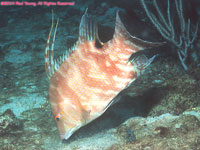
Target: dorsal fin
49,58
140,44
51,64
88,30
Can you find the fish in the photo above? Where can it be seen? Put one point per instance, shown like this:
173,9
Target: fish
88,78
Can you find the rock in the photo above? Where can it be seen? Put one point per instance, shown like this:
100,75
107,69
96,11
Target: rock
164,132
9,122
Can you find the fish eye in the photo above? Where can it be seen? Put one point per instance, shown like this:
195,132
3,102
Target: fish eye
57,117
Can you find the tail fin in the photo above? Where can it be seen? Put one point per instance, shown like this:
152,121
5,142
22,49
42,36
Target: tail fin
140,63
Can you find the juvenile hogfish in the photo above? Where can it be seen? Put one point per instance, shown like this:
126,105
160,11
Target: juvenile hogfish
84,83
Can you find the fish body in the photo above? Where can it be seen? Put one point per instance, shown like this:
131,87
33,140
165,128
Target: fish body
86,82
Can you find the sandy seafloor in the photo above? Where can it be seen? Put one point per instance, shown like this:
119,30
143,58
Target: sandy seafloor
159,111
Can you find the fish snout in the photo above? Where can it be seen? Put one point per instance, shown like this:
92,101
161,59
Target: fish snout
68,134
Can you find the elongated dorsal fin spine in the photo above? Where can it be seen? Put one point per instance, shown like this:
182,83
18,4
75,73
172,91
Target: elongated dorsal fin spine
50,64
47,61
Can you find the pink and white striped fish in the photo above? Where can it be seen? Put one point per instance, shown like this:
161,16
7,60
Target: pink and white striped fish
84,83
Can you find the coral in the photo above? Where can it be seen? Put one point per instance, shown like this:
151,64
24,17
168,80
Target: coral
184,39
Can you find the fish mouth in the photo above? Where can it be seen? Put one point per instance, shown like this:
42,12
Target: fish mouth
65,136
68,134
